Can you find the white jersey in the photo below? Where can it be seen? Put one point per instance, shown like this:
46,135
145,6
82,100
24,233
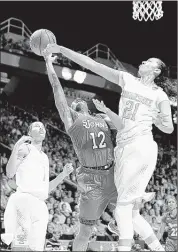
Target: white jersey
134,108
32,175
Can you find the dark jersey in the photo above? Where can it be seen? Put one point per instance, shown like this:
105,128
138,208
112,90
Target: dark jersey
91,138
171,224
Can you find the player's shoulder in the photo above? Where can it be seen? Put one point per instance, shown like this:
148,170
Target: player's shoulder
45,155
161,95
126,75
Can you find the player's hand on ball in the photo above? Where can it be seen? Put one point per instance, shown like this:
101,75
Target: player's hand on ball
68,169
52,48
22,140
100,105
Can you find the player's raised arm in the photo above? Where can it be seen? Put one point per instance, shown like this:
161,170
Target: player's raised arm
164,117
110,117
59,96
19,152
88,63
68,168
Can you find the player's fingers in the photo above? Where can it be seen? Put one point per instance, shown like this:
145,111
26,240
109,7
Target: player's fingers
26,138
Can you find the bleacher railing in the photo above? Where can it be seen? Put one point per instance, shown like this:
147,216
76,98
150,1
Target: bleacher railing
16,26
103,51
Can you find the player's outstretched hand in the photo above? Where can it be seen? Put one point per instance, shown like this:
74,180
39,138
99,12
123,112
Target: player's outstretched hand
100,105
22,140
68,169
52,48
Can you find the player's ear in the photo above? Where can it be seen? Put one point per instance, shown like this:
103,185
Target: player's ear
157,71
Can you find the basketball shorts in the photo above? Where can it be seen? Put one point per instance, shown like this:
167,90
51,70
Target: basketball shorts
171,244
98,191
26,217
135,164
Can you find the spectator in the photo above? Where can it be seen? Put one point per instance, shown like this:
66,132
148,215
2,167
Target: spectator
50,230
61,217
100,231
69,197
65,210
68,231
158,216
51,213
146,216
152,213
56,238
155,225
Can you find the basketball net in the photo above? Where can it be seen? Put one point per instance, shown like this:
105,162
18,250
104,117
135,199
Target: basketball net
145,10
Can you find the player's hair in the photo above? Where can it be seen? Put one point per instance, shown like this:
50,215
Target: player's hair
77,108
78,100
162,79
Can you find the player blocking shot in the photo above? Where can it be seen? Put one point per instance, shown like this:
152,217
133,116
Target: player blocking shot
91,138
142,104
26,213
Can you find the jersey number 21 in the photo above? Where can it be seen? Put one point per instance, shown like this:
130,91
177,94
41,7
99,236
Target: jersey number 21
130,110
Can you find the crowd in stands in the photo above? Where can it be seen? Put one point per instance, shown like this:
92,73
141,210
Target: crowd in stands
63,202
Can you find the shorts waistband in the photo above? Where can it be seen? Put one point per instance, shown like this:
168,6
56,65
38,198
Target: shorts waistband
32,194
100,168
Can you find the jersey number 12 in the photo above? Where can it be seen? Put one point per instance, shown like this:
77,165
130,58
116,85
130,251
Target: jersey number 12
102,143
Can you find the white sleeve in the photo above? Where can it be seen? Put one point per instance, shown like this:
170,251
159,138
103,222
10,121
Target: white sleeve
126,79
162,96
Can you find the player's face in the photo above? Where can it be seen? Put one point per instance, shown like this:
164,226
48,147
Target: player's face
171,204
149,66
79,106
37,131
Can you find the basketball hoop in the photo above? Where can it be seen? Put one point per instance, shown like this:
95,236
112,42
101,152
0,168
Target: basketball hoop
147,10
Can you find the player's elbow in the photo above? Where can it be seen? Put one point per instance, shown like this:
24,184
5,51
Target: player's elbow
168,130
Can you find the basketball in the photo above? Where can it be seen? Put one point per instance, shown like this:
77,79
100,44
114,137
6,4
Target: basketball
40,39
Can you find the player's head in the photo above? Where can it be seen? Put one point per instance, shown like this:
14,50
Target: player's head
171,203
152,66
80,106
37,131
